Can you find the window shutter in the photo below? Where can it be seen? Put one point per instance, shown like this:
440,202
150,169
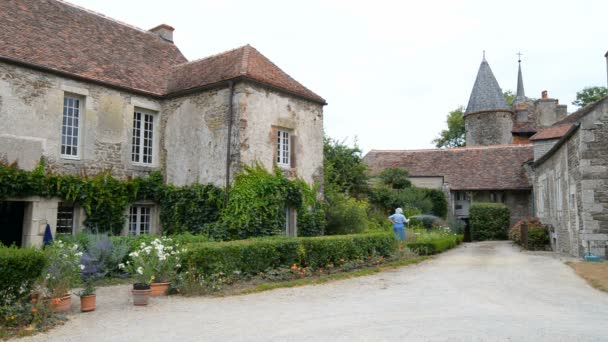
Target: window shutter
292,151
273,140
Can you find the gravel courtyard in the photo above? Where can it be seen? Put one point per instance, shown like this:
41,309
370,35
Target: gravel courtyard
488,291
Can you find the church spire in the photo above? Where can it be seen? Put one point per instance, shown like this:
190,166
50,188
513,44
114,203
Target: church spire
486,94
521,94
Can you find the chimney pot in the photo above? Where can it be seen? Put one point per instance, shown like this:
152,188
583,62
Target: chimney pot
544,95
164,31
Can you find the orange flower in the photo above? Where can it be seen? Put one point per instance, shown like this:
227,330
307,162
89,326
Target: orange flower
34,310
56,301
294,267
34,300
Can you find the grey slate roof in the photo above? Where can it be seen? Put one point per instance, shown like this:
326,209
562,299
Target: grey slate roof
521,94
486,94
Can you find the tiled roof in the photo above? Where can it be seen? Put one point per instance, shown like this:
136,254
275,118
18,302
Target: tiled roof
560,128
62,37
553,132
497,167
57,36
246,62
486,94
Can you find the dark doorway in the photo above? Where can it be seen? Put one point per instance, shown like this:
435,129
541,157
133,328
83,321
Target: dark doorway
467,230
11,222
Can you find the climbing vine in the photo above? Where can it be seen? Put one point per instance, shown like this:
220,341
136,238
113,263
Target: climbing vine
257,203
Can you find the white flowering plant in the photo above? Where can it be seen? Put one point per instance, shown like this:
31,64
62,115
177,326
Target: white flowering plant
154,262
63,269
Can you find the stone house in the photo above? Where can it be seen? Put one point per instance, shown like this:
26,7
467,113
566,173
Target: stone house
90,94
571,180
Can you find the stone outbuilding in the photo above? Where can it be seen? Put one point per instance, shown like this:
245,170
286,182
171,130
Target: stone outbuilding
571,180
90,94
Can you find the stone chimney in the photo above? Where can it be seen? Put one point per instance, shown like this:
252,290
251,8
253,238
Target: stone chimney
164,31
544,95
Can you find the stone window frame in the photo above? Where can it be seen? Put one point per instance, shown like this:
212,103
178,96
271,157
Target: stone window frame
79,137
155,116
283,147
136,210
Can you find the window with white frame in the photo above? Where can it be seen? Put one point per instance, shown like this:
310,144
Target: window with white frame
70,127
140,219
283,148
65,218
143,137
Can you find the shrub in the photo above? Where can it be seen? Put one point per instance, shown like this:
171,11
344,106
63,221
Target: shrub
438,201
489,221
434,245
19,270
102,255
346,215
258,255
538,234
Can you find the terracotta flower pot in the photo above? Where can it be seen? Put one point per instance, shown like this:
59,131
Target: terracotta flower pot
62,304
87,303
159,289
141,296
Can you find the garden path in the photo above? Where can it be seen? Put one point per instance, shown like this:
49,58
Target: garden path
478,291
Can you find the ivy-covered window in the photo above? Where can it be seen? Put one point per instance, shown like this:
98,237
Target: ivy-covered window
70,127
65,218
143,137
140,219
283,150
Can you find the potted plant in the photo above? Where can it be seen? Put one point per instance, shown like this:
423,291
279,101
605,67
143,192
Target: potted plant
61,274
88,298
165,263
140,267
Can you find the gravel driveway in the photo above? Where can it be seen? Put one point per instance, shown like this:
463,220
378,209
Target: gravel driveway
488,291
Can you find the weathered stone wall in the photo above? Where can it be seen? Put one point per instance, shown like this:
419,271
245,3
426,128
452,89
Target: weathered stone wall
261,112
571,188
546,112
194,143
488,128
543,146
31,113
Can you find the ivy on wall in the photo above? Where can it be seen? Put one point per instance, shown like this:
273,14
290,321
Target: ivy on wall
256,208
105,199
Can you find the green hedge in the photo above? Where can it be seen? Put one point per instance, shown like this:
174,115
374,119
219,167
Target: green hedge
489,221
19,269
257,255
435,246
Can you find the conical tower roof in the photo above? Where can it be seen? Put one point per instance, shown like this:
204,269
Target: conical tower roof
486,94
521,94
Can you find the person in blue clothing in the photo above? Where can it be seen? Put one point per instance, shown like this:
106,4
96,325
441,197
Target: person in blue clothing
399,220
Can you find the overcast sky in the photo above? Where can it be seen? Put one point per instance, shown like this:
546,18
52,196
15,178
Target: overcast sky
392,70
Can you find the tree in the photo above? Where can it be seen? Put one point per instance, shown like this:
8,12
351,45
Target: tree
395,177
589,95
344,169
509,97
454,136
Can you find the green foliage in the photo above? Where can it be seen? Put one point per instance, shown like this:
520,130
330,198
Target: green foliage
346,215
19,270
343,169
434,245
395,178
257,255
257,204
589,95
409,199
509,97
454,136
439,202
489,221
538,234
62,271
105,198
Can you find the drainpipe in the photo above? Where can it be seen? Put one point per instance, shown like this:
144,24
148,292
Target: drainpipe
229,140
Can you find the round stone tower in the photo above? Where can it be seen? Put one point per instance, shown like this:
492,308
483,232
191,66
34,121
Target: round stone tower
488,119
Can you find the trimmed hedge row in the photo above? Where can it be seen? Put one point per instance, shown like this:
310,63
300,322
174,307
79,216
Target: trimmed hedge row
257,255
19,269
489,221
435,246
